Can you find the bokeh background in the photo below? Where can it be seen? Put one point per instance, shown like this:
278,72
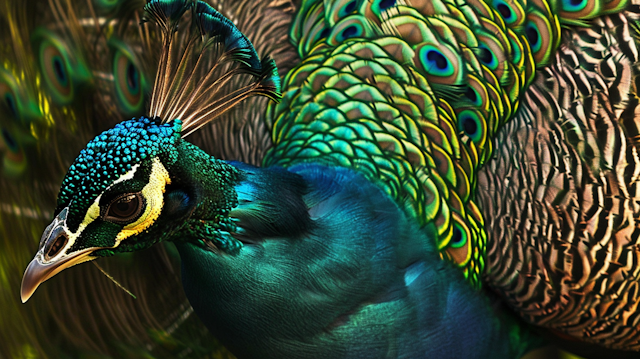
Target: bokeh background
70,69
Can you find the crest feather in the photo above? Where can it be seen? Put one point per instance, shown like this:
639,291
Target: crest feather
202,52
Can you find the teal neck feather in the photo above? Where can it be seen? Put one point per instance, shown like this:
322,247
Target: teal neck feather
354,279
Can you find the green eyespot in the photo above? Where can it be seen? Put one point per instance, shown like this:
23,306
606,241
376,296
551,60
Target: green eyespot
574,5
459,248
508,15
8,99
435,62
62,73
347,8
459,237
16,105
129,81
533,36
487,57
472,125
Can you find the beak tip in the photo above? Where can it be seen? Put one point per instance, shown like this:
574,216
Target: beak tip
33,276
25,294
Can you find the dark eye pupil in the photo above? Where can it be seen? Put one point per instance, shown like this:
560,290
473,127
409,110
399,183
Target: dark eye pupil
125,207
457,236
58,68
440,61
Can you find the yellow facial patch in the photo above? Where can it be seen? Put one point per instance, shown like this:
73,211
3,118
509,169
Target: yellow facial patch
153,194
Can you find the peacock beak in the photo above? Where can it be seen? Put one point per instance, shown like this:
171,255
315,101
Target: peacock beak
38,272
53,256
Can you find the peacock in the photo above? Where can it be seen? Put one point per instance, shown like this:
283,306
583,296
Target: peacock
420,151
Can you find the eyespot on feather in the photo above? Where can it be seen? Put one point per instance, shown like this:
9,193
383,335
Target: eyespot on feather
61,71
8,95
542,35
459,247
439,63
473,125
130,83
579,9
354,26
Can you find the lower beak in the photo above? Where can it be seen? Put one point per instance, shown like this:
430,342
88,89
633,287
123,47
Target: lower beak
38,272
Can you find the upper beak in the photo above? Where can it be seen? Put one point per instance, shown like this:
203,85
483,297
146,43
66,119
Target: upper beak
52,257
38,272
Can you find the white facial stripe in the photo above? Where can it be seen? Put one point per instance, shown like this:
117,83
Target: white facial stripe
127,176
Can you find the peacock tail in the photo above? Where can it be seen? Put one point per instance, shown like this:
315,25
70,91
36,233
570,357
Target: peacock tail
412,95
505,128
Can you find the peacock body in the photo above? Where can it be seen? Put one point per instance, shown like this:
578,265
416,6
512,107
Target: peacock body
420,150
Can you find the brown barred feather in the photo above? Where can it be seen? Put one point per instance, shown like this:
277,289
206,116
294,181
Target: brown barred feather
560,195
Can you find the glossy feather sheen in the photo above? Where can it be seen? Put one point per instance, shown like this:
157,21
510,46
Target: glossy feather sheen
386,89
351,285
474,120
67,320
565,225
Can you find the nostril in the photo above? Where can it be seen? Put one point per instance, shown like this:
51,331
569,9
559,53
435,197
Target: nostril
55,246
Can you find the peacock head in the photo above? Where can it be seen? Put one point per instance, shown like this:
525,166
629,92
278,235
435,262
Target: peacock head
138,183
119,195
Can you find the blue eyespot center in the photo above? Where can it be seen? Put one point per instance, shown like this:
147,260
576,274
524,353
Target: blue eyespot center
469,125
58,68
350,7
532,35
504,11
435,57
457,239
133,78
574,5
485,55
350,31
8,139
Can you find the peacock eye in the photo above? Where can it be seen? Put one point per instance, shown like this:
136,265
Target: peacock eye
125,208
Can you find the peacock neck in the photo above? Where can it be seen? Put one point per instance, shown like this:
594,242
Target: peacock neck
231,202
356,259
200,196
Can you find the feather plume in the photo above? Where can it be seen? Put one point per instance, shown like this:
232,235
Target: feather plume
200,63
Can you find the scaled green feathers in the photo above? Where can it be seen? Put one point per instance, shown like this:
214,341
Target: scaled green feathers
411,94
